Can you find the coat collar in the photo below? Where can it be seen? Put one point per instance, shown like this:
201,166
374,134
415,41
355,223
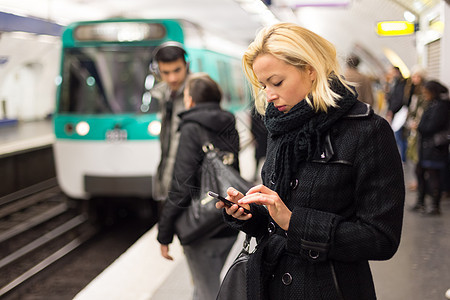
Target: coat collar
359,110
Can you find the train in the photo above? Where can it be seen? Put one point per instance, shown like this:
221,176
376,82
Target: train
106,123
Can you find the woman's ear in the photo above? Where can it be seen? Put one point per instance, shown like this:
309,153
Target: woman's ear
189,103
311,73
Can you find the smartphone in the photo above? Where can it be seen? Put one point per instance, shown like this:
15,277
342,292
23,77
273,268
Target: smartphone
227,202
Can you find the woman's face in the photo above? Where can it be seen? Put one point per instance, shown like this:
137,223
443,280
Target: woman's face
285,84
426,94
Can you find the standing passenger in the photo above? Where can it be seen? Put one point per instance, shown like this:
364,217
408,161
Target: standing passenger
416,107
363,83
433,155
205,257
396,101
333,192
171,66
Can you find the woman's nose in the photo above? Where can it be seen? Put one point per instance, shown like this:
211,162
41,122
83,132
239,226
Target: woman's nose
270,95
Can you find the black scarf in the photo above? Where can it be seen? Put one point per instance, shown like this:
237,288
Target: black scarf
299,133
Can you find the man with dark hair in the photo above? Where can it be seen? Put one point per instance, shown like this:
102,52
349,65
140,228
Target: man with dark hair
397,108
363,83
171,66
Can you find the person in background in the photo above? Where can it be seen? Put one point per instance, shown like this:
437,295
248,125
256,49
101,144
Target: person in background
169,64
395,98
433,156
207,256
333,192
416,107
363,83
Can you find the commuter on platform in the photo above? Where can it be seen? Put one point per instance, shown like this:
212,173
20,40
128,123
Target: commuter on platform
363,83
333,192
416,107
433,154
205,257
169,63
397,109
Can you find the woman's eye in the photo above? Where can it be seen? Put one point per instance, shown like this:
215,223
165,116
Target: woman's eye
278,84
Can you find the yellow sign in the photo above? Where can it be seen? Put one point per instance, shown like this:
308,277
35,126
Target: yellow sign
395,28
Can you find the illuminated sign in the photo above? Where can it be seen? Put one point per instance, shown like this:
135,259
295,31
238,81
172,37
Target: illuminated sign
120,31
393,28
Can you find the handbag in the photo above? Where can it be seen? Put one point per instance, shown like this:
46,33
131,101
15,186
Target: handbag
234,284
202,219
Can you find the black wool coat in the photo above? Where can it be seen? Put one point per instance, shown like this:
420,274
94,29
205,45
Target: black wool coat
435,118
347,209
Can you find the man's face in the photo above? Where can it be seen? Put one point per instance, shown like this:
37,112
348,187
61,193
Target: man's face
174,73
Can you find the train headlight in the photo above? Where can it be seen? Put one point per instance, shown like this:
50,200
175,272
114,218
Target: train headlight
154,128
82,128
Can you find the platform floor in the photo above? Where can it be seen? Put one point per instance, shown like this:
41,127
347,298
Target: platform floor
22,136
420,270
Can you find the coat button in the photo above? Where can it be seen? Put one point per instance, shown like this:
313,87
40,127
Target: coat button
314,254
271,227
286,279
294,184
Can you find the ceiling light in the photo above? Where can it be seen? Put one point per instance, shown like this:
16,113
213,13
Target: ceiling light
409,16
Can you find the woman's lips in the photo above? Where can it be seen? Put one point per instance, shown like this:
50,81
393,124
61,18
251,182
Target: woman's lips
281,107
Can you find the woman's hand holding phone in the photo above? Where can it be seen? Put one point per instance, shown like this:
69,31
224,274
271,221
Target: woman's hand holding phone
240,212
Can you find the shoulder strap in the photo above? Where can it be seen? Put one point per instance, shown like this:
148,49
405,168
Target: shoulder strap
204,135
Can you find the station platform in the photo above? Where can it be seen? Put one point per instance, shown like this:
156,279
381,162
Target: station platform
25,146
16,137
419,270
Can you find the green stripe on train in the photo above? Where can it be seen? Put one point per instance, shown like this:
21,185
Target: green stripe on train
136,127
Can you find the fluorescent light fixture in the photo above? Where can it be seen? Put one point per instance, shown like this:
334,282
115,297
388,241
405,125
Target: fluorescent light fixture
409,16
259,9
303,3
395,60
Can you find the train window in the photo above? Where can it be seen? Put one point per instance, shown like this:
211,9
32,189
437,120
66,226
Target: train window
199,65
224,80
120,32
99,80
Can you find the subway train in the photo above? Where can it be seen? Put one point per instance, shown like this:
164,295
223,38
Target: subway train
106,123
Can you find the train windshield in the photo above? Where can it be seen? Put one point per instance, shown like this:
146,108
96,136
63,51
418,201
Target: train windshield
111,80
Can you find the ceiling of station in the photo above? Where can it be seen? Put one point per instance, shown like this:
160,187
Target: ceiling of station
416,6
348,27
224,17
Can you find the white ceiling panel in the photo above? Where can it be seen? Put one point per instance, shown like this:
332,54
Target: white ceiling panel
346,26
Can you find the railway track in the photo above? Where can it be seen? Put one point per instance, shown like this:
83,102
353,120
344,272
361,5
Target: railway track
38,226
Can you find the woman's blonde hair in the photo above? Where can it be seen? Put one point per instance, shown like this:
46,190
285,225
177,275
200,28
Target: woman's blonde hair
299,47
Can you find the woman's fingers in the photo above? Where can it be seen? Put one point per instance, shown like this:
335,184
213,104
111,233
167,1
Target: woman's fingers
238,212
258,198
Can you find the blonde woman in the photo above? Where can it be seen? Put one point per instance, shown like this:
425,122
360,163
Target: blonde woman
333,192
